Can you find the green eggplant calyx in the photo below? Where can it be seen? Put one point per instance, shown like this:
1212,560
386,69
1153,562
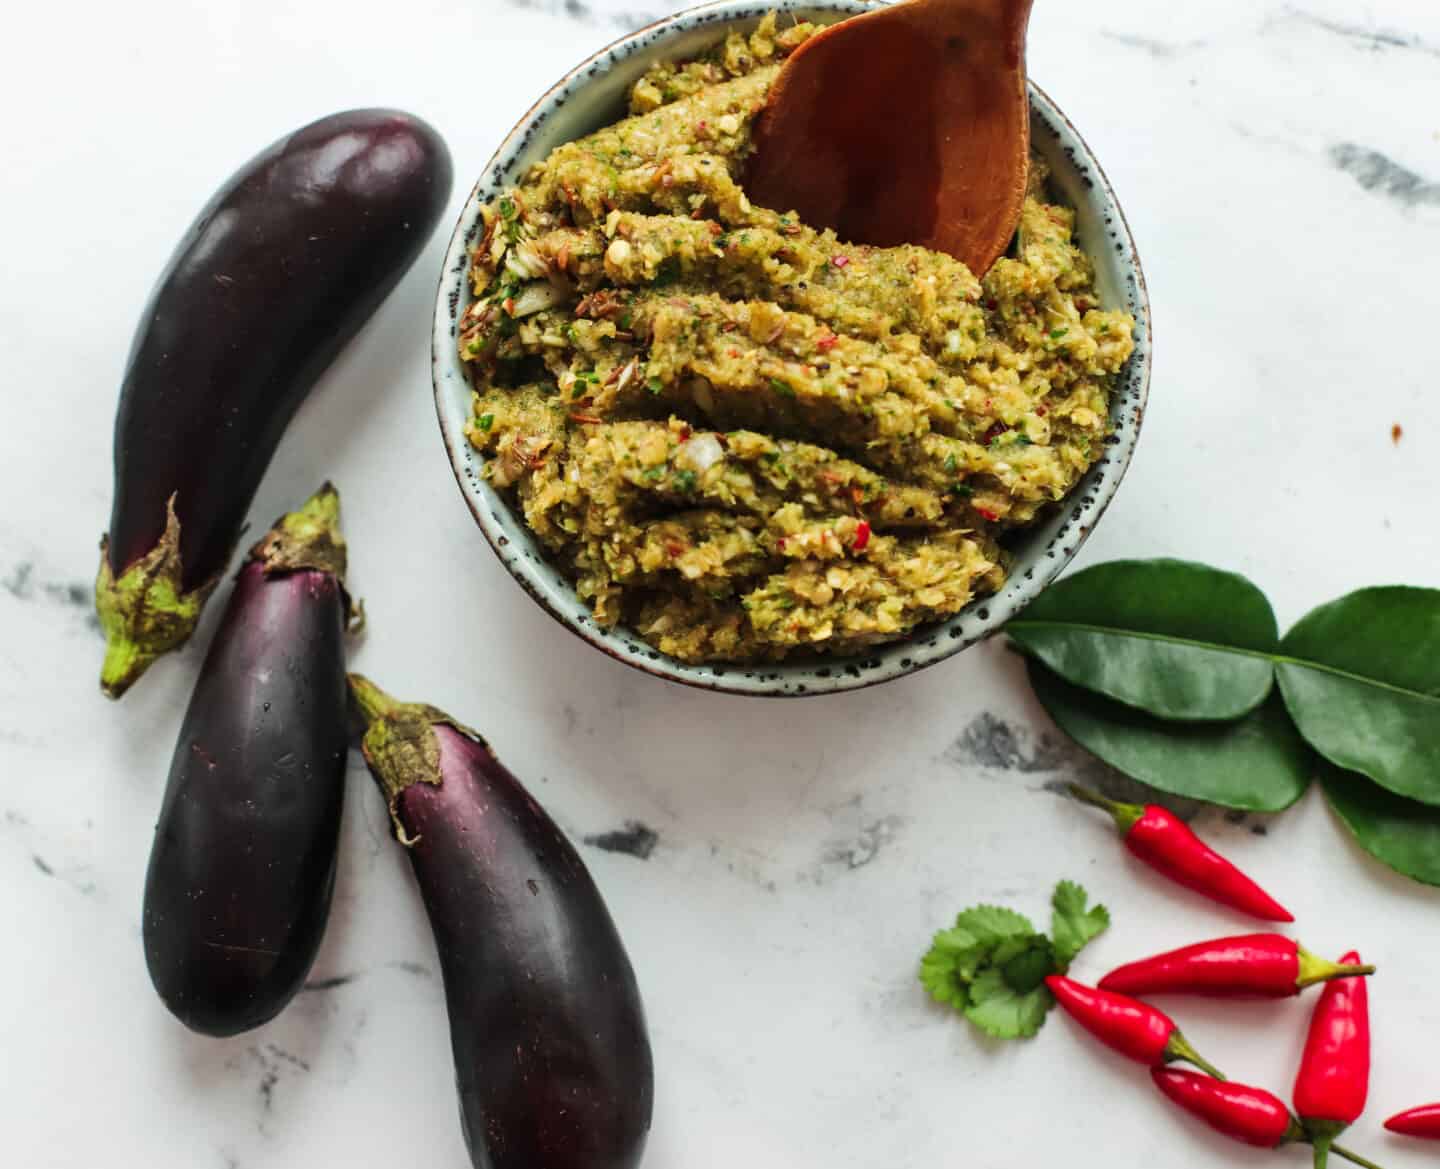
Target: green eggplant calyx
306,539
309,540
400,745
144,612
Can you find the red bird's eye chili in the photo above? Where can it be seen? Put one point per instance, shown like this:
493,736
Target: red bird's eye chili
1422,1122
1334,1076
1249,966
862,536
1247,1114
1164,842
1243,1113
1135,1030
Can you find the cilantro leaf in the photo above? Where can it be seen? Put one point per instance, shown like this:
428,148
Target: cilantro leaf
1072,924
946,971
1025,964
1003,1012
992,964
991,925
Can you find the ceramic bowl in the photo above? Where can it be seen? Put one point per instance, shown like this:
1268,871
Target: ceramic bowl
592,95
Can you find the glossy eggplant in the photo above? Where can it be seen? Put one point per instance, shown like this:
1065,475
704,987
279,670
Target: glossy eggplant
279,271
243,861
552,1059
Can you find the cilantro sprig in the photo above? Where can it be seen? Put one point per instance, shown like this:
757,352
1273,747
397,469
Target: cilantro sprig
992,964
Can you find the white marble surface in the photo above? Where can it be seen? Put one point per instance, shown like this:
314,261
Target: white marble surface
1280,164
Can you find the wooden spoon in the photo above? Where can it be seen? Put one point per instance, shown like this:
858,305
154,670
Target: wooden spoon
909,124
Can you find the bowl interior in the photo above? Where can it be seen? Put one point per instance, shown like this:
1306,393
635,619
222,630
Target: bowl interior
593,95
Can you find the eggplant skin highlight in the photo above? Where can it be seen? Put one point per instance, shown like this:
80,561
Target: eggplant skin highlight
552,1057
276,274
243,860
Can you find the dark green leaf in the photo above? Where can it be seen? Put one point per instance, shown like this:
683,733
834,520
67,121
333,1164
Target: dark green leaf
1361,677
1073,924
1003,1012
1395,831
1025,965
1179,640
1258,763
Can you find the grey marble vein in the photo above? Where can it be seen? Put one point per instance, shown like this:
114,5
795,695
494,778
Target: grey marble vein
859,850
1383,175
581,13
23,584
336,981
1375,40
1161,50
991,742
634,839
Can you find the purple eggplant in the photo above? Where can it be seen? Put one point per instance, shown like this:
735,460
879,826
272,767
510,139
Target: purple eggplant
243,861
552,1059
279,271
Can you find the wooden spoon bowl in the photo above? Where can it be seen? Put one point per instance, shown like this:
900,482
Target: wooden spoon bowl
909,124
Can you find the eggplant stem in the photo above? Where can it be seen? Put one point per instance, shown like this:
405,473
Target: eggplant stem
145,612
374,703
400,745
306,539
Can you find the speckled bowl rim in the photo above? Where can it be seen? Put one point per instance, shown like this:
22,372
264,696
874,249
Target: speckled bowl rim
1049,546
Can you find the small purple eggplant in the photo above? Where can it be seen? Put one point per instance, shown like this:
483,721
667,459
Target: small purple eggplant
277,273
243,861
552,1059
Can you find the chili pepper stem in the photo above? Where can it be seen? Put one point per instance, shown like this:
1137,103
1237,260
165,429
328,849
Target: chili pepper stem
1178,1048
1126,816
1353,1158
1314,969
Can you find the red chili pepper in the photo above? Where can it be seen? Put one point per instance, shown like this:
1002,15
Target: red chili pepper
1247,966
1239,1111
986,514
1132,1028
1422,1122
1252,1115
1164,842
827,343
862,536
1334,1077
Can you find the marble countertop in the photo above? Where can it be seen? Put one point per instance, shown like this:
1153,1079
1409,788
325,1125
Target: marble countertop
776,868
